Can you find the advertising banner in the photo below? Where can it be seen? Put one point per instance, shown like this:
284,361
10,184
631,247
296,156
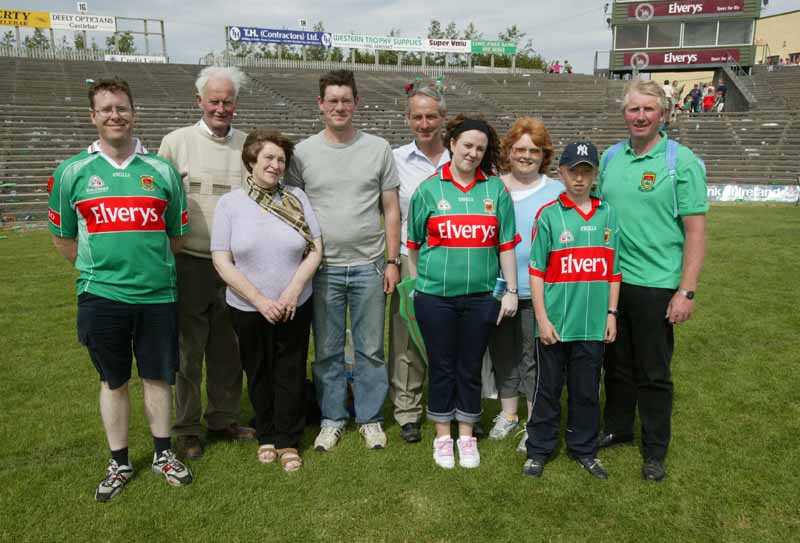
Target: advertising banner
385,43
683,57
447,46
135,58
273,35
789,194
644,11
82,21
21,17
494,47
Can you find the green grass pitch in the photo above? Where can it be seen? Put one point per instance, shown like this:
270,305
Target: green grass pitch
734,462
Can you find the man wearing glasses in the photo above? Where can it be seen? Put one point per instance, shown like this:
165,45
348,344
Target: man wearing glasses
208,156
350,178
118,214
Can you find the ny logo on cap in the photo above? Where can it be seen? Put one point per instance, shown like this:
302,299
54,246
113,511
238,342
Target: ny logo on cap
583,150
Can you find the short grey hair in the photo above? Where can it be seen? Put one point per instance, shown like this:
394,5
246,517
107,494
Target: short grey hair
647,88
430,92
231,73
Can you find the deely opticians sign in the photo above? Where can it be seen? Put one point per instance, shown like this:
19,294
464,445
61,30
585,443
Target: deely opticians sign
82,21
644,11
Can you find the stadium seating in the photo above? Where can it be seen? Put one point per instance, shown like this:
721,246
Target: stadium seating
44,109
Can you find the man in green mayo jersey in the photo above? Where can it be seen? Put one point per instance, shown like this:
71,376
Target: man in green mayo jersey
119,214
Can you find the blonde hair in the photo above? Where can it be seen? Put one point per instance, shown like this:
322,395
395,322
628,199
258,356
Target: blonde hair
647,88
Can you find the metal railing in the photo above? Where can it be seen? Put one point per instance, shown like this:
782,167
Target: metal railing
77,55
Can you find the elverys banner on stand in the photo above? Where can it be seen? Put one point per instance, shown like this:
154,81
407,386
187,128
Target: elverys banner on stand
789,194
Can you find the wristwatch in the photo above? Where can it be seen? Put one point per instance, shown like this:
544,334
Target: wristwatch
613,312
688,293
395,261
512,291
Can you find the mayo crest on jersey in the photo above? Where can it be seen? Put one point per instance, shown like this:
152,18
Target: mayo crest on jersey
460,232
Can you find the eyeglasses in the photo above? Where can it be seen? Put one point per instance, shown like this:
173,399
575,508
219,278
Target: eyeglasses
122,111
526,151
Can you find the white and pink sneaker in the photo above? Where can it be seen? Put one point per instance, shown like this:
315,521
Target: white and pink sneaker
468,455
443,452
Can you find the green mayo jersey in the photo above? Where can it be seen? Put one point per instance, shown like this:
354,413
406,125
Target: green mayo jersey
123,217
642,191
576,255
459,232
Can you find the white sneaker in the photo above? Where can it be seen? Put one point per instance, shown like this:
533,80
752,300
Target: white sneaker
502,427
522,448
443,452
374,437
328,438
468,455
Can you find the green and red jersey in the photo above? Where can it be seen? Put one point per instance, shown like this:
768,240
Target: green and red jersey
123,217
459,232
576,255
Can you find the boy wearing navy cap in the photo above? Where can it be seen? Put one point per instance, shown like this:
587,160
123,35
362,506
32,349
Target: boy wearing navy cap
575,281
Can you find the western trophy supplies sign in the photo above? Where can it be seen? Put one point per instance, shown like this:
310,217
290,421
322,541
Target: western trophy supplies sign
21,17
397,43
273,35
386,43
644,11
698,57
494,47
82,21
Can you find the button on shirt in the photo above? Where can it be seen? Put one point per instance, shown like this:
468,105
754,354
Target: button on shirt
414,168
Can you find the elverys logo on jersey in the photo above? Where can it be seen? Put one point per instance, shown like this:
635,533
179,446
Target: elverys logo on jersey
580,264
464,231
123,214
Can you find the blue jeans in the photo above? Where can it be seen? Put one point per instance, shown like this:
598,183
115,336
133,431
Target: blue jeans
361,289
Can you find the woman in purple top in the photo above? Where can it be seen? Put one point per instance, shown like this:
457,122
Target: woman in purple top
266,246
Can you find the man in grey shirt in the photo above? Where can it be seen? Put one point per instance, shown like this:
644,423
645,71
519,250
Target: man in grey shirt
350,178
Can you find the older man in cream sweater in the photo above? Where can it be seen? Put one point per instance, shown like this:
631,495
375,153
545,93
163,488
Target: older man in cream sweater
208,157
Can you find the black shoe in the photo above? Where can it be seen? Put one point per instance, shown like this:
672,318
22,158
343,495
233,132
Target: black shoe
654,470
410,432
593,466
605,440
477,431
189,447
533,467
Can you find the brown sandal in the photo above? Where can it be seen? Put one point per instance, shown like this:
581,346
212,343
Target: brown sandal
267,454
290,460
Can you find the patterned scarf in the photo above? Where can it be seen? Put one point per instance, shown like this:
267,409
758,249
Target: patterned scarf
289,209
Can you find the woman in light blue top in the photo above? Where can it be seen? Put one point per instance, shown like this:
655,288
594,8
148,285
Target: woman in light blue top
526,151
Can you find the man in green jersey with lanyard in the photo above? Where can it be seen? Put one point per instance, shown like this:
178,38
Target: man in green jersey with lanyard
118,214
658,188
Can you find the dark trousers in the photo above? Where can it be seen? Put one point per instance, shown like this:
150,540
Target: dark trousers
274,359
578,364
456,331
637,368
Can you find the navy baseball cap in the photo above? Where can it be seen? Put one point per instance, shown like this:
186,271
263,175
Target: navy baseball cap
579,152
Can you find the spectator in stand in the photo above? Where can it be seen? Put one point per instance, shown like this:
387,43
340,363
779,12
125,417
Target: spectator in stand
526,152
461,234
722,88
567,67
697,96
708,99
208,156
266,246
669,91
